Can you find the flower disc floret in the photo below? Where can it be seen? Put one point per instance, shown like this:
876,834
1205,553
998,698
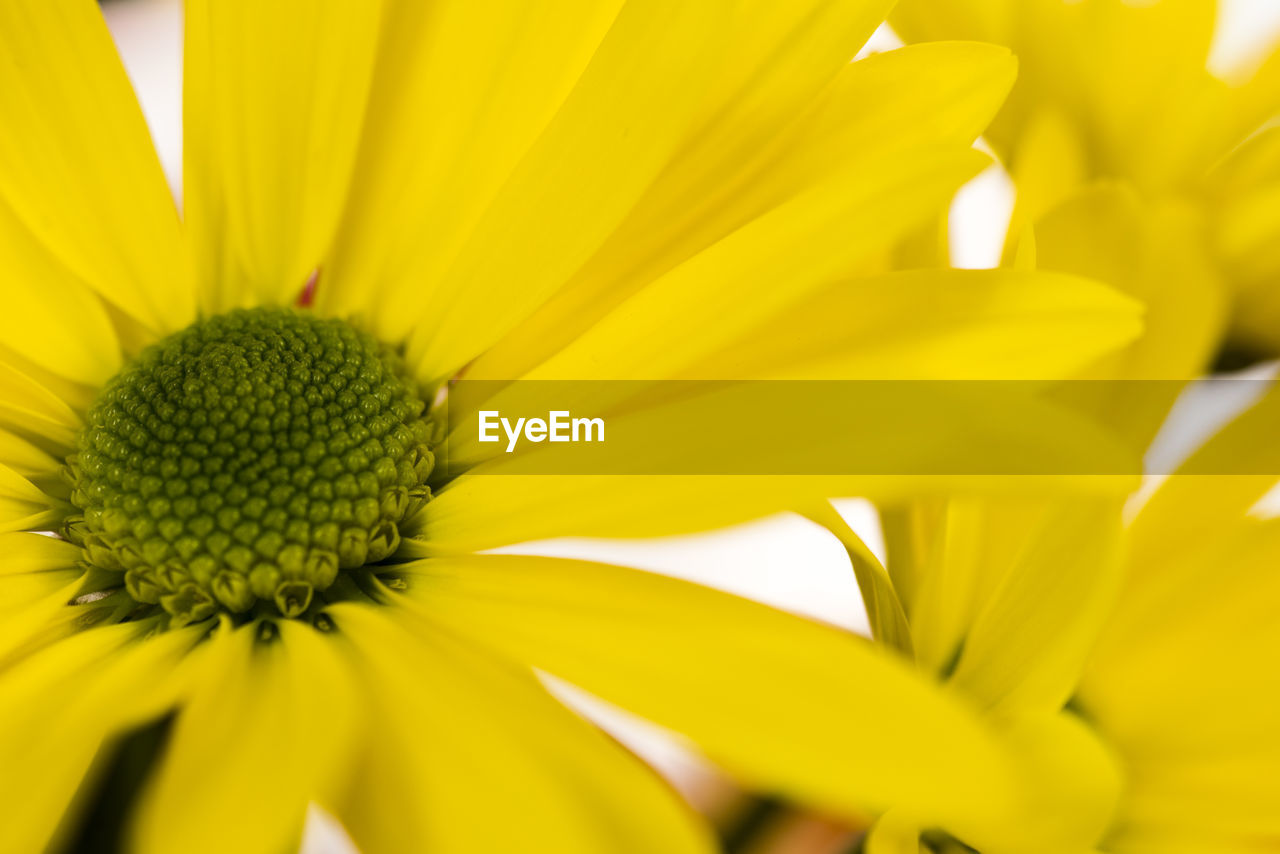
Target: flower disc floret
250,458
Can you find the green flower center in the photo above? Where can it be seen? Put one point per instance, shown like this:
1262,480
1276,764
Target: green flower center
247,461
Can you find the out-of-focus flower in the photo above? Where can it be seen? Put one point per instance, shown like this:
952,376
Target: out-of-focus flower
1136,165
1129,667
589,189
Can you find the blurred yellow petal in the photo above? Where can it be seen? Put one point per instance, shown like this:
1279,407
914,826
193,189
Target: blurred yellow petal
885,615
1198,636
1048,164
1129,76
1183,684
82,175
1191,509
789,706
1031,635
265,732
274,95
1223,799
893,833
980,20
1252,101
960,564
1245,190
471,754
1072,784
1155,252
66,701
910,532
1178,840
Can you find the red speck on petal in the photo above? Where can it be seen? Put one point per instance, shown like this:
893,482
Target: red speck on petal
308,294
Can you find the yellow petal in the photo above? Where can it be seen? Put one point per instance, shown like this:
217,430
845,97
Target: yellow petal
50,316
760,155
958,565
459,95
1048,164
1070,790
1254,100
82,175
1198,505
885,615
1069,785
463,738
26,552
787,705
22,505
1179,840
1196,637
1032,633
1182,683
893,833
629,111
475,513
1246,194
762,267
1221,800
910,531
267,730
273,103
60,705
1007,596
38,576
1158,50
981,324
1130,75
25,459
484,511
980,20
1157,253
32,409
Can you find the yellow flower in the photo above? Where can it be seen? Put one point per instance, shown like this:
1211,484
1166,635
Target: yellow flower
1135,165
1130,665
265,596
1182,682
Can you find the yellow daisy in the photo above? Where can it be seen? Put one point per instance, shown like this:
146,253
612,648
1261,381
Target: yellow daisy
1182,683
264,594
1135,165
1128,663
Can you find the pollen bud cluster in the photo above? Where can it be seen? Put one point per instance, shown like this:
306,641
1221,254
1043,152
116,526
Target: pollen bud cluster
249,459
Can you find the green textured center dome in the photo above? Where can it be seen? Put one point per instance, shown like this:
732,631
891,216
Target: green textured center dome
248,459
